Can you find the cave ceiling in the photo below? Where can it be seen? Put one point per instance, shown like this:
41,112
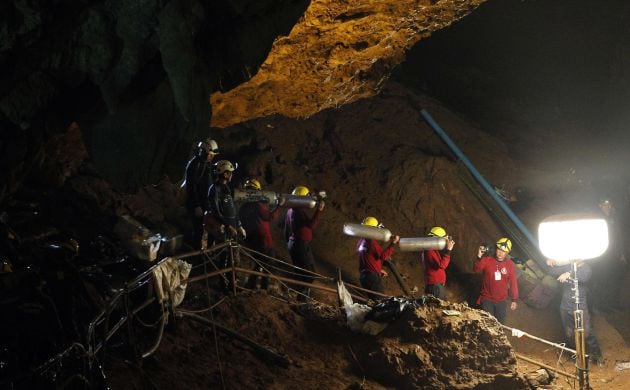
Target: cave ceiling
161,74
338,52
143,71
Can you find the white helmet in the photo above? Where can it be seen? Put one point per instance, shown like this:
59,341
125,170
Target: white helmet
209,146
223,166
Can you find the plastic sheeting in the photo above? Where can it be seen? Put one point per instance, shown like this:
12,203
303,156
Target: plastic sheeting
168,277
372,320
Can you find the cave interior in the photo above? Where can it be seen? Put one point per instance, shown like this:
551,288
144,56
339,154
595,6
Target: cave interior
104,102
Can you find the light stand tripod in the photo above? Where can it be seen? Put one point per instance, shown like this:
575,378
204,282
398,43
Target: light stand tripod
581,361
565,238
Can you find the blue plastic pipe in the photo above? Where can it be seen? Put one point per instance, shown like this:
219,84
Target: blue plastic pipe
478,176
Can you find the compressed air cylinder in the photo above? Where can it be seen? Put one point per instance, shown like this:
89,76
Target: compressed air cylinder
271,196
251,195
417,244
298,201
363,231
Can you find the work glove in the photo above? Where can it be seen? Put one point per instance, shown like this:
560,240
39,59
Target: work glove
198,212
242,231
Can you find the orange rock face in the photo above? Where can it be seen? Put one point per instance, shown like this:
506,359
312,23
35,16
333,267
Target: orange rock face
339,52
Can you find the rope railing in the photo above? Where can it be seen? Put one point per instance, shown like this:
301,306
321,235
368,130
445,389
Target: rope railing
119,311
97,341
306,272
519,333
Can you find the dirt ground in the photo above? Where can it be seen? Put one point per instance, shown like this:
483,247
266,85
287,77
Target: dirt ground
421,349
378,157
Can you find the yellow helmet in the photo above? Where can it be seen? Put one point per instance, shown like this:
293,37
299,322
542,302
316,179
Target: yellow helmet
504,244
437,231
253,184
370,221
301,191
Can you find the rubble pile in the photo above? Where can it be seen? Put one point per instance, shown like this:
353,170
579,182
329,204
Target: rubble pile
424,348
443,345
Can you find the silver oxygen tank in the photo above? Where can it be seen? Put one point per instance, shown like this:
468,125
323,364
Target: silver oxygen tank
271,196
363,231
251,195
417,244
298,201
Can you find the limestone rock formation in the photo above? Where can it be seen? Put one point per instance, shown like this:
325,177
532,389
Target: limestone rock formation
340,51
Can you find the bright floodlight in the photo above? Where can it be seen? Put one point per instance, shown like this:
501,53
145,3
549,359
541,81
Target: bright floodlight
567,237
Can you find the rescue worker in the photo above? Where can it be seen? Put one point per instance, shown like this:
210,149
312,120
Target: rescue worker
221,202
435,263
371,258
222,219
197,181
298,231
609,271
567,307
499,279
256,217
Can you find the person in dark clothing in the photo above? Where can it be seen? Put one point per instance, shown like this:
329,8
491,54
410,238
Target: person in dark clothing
435,263
299,234
256,217
567,306
221,202
499,280
197,181
609,271
222,219
371,258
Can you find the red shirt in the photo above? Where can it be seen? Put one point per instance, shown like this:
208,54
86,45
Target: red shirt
494,290
435,263
255,217
299,226
371,255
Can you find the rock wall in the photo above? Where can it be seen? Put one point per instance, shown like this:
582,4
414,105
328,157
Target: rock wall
135,76
337,53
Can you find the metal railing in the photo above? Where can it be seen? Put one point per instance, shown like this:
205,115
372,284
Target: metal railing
121,311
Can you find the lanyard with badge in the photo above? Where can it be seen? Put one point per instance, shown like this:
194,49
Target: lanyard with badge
497,273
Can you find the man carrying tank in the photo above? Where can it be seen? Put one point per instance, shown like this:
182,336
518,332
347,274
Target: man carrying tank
256,217
371,258
197,181
435,263
298,231
499,279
